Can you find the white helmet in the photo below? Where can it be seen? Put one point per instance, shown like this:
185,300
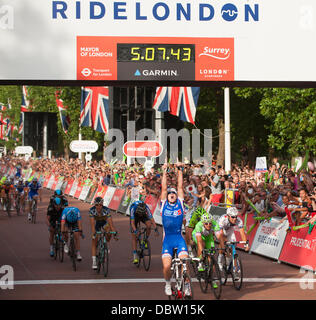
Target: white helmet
232,212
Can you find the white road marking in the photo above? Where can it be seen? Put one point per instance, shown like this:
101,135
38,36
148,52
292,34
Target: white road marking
154,280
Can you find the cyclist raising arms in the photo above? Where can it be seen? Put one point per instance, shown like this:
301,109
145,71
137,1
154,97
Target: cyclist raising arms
139,212
172,212
100,217
228,223
71,218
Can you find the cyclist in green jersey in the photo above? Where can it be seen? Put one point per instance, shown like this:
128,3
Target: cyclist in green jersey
195,218
203,235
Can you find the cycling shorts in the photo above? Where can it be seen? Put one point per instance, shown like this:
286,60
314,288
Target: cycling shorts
174,241
31,195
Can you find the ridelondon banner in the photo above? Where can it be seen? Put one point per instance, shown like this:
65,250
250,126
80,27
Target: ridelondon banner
269,238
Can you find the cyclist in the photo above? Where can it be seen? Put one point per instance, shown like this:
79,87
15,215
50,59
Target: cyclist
203,235
54,212
35,191
8,189
195,218
172,212
228,223
71,219
58,193
100,217
19,190
139,212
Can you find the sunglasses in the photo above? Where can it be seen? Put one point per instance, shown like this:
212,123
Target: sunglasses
99,204
235,217
208,223
171,193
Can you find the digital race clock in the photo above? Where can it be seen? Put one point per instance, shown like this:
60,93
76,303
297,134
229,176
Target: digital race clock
131,52
155,58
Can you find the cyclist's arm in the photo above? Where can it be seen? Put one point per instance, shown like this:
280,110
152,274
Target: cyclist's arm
80,224
110,221
180,184
164,184
92,223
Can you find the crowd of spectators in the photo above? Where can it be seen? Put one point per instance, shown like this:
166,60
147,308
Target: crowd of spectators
204,185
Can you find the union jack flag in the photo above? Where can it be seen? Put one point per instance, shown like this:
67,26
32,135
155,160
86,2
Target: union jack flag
65,120
21,123
2,107
95,108
179,101
25,105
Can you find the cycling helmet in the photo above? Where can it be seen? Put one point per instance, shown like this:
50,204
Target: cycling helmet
57,192
57,201
200,211
72,216
21,180
232,212
98,200
141,208
206,218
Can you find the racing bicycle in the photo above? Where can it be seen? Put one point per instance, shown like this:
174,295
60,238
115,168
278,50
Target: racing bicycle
181,284
102,252
234,268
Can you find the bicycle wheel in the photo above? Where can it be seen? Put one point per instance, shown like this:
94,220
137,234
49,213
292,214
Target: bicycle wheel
56,245
61,248
99,257
186,287
215,279
224,272
139,250
105,259
237,273
8,207
34,209
146,255
203,278
72,252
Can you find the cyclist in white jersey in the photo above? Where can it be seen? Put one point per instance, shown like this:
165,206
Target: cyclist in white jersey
229,223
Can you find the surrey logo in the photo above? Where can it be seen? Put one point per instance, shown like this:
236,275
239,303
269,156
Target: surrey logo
216,53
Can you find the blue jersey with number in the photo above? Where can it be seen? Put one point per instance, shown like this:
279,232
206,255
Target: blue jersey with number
172,216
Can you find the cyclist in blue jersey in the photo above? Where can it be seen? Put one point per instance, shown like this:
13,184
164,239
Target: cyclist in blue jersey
71,219
35,191
19,190
139,212
172,212
18,171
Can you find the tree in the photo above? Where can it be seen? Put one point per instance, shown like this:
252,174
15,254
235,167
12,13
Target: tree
293,119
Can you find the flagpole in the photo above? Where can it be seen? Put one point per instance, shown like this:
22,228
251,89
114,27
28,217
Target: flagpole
227,130
23,129
80,137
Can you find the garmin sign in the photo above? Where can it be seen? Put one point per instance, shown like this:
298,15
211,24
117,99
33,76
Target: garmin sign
158,40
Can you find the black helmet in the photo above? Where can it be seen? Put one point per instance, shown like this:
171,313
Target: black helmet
141,208
98,200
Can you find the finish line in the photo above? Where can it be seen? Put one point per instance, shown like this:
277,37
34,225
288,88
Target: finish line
154,280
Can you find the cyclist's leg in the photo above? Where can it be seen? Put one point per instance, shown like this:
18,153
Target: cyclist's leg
134,240
147,222
167,251
220,235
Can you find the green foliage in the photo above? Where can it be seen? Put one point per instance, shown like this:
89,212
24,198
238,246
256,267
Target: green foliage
293,119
